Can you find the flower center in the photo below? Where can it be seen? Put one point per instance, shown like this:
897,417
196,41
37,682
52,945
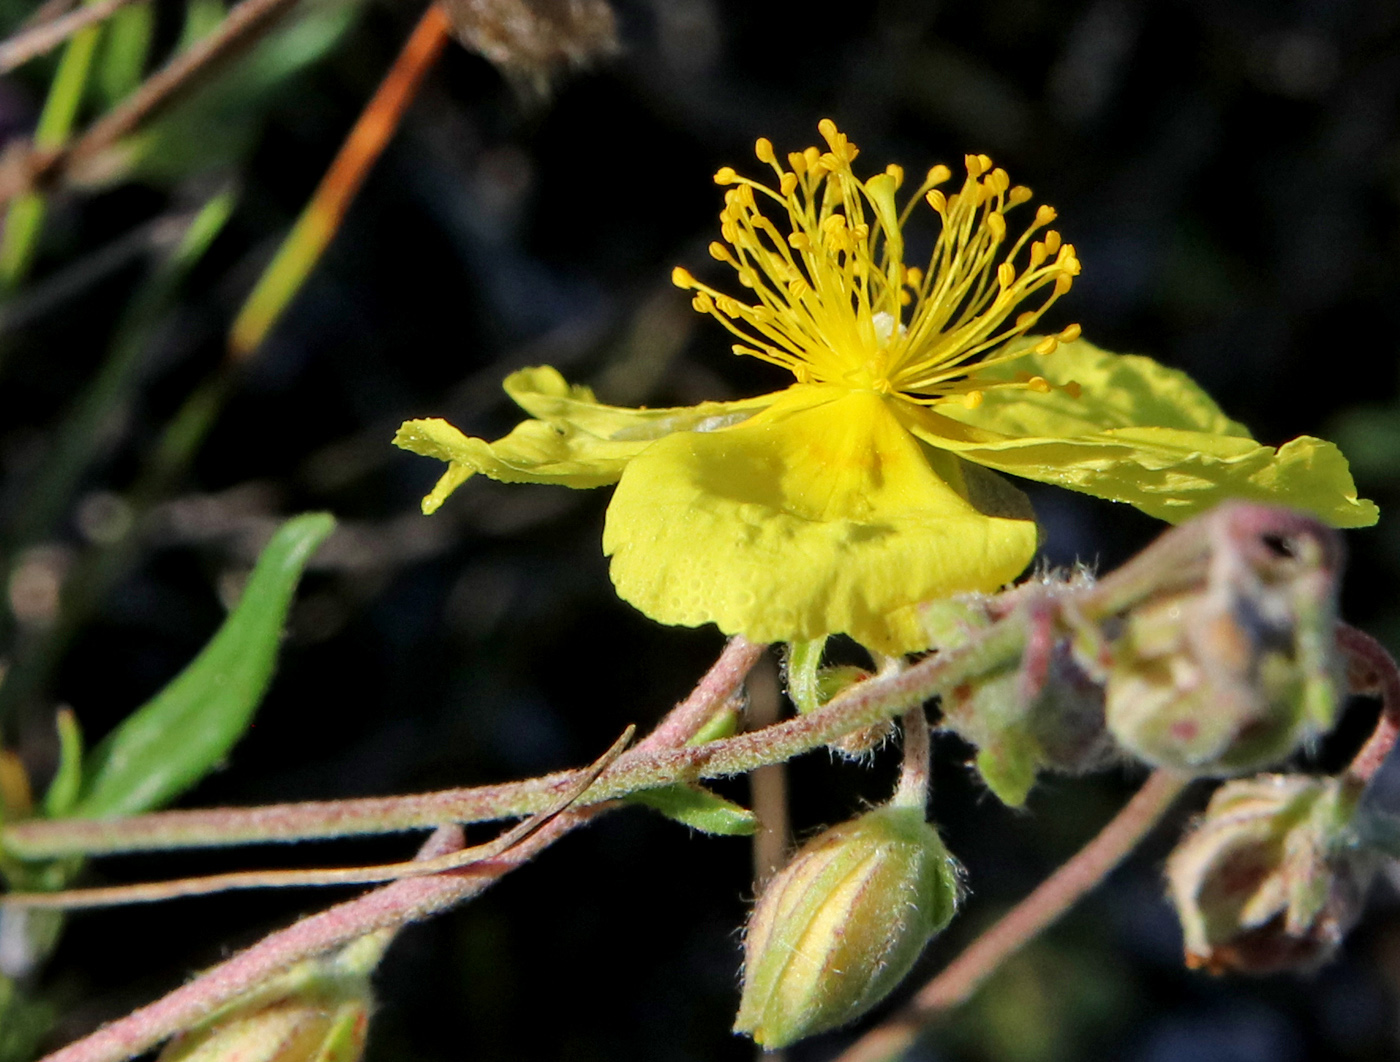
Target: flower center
835,302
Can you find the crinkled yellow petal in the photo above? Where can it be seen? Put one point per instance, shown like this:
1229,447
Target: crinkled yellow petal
1115,391
575,442
820,515
1138,433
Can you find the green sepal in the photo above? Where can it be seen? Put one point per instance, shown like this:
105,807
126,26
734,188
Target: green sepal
1008,765
700,809
185,731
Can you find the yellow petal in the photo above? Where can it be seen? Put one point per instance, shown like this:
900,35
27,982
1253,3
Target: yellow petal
1173,475
1138,433
1116,391
576,442
821,515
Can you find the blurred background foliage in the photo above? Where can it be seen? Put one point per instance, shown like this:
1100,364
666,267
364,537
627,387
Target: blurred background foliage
1228,169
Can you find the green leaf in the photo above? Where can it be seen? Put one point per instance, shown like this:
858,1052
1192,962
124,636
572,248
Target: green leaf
699,809
180,735
68,779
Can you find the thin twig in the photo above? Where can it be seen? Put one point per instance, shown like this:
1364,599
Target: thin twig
240,27
914,778
156,891
1371,671
863,704
389,907
31,43
1051,899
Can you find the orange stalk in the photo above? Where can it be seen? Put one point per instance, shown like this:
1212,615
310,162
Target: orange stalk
321,218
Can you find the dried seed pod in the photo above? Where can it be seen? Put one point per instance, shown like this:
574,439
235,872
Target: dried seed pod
1234,673
1270,878
838,928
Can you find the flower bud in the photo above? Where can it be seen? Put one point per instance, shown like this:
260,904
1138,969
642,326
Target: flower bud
838,928
318,1011
1232,675
1269,879
292,1030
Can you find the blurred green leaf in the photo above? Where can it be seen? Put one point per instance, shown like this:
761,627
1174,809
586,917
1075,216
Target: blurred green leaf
1370,437
699,809
177,737
124,51
67,782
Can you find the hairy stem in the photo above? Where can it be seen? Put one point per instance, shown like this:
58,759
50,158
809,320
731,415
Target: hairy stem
1051,899
645,767
1371,671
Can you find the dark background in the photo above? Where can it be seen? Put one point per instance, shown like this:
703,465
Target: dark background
1229,172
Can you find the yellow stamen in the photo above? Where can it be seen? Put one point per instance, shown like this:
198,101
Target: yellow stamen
834,301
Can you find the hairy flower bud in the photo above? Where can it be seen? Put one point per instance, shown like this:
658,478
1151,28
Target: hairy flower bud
318,1011
1231,675
838,928
1270,878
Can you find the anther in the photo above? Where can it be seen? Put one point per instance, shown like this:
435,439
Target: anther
788,184
1019,195
938,174
812,155
913,276
718,251
1063,283
797,161
797,288
1025,320
896,171
1038,254
682,279
1006,274
1047,345
1072,389
1070,333
763,148
984,162
801,241
828,130
1039,384
703,303
726,175
1044,214
972,399
999,181
997,224
937,200
1052,241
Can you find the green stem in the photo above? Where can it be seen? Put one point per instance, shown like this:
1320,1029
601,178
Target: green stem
25,217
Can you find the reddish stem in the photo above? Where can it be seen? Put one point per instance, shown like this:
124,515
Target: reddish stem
1371,671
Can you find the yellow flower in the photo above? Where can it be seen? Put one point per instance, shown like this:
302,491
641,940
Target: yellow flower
840,503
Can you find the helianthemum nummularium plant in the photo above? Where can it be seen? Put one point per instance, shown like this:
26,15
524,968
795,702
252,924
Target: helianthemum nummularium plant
839,503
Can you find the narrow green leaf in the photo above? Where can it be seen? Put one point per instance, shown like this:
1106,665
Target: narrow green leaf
699,809
176,738
68,779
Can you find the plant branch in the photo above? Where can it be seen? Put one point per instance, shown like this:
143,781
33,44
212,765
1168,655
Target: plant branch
24,169
386,908
1371,671
31,43
1051,899
863,704
156,891
391,906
